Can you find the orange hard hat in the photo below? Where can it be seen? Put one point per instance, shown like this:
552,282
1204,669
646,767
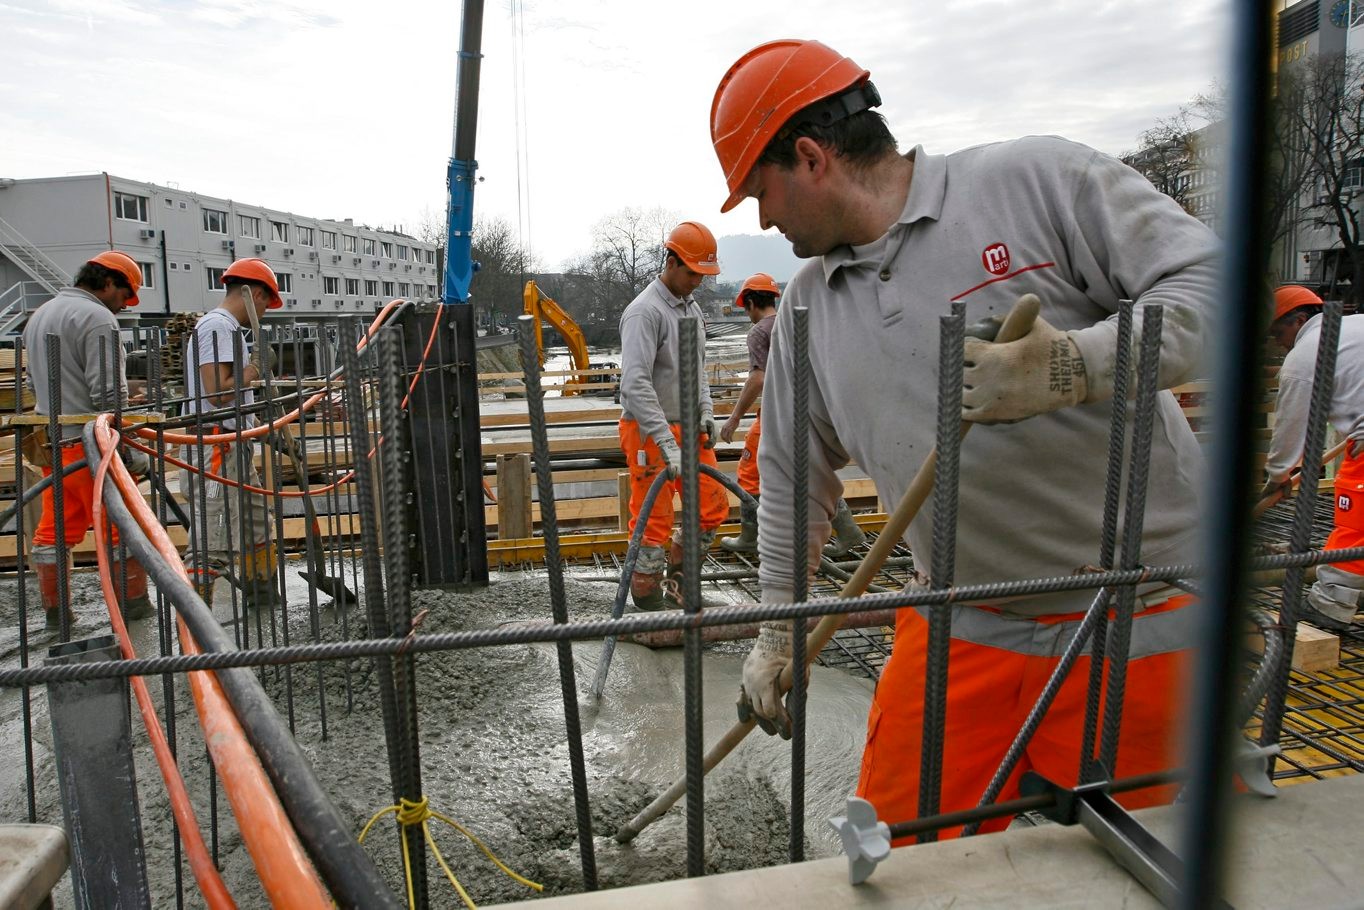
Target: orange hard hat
125,266
769,85
1291,296
758,281
256,270
694,244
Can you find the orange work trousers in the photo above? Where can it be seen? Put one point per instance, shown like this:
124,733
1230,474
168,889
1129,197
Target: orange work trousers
989,693
646,460
78,491
1349,524
748,461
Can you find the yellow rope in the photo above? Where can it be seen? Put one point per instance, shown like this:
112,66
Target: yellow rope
410,813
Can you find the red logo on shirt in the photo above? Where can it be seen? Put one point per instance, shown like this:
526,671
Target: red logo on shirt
1344,502
995,258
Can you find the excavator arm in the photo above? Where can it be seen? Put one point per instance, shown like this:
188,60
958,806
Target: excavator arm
544,309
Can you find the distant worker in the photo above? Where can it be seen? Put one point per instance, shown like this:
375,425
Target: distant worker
82,318
1335,596
758,297
651,409
234,523
892,240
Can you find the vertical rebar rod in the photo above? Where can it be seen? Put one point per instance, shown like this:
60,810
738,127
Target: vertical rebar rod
1300,536
549,522
275,545
242,461
690,355
1237,345
21,581
393,460
312,533
943,562
54,429
800,578
1134,521
1108,536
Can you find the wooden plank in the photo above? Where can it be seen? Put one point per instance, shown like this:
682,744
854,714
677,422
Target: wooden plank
1314,649
77,420
513,496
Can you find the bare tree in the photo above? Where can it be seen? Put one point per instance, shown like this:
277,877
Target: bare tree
626,254
504,267
1167,155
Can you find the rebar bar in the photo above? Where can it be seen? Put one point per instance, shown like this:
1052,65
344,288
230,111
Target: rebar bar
53,350
26,697
800,465
690,356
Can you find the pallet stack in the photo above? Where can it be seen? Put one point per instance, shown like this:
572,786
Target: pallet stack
178,329
11,384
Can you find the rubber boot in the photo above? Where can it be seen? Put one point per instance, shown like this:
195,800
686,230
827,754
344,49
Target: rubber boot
261,591
747,541
847,534
138,604
646,584
49,589
674,586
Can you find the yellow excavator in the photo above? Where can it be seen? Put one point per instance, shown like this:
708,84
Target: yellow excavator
544,309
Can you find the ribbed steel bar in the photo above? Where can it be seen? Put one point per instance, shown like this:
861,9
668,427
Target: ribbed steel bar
1318,413
942,570
800,458
1134,522
549,522
54,397
312,535
648,622
21,581
279,619
1236,333
689,354
1108,539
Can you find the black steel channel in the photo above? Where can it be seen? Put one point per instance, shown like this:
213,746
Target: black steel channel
689,354
1299,539
800,579
943,562
1108,540
26,698
395,489
1238,341
54,397
1134,522
549,522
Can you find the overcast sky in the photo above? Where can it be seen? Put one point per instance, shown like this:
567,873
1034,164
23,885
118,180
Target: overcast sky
343,108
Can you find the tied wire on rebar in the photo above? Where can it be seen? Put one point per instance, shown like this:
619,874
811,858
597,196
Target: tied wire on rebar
558,601
800,585
691,377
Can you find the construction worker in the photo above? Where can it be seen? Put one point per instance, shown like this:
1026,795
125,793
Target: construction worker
212,384
894,239
651,409
82,317
1296,327
758,297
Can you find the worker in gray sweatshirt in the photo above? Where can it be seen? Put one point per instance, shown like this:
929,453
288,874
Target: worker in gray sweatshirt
893,240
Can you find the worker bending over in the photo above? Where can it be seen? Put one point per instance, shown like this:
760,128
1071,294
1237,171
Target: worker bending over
82,317
895,239
1334,597
651,409
213,385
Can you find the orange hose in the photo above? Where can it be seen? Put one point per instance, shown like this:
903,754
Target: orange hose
286,873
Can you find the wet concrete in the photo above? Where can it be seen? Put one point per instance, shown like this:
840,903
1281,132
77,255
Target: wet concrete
494,751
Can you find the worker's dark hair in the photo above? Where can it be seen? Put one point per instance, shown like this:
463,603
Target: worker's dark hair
862,140
93,277
234,282
759,299
1308,309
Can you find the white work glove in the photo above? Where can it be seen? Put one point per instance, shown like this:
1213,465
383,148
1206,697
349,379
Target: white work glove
760,695
672,454
1011,381
1285,487
136,461
708,430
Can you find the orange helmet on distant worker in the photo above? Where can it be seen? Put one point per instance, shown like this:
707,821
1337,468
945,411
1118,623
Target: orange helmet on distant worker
758,281
1291,296
125,266
694,244
766,87
256,270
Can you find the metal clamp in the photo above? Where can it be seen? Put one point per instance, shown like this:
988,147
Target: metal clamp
866,841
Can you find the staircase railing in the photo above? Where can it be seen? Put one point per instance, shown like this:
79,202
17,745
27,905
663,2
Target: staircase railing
31,259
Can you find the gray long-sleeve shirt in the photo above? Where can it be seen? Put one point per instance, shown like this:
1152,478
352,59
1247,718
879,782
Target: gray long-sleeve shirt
79,321
984,226
1295,392
650,388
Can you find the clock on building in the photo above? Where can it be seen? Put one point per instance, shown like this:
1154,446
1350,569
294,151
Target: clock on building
1340,13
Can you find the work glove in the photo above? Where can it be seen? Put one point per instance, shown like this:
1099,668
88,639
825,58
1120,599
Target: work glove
1011,381
708,430
136,461
1271,487
263,359
672,454
760,695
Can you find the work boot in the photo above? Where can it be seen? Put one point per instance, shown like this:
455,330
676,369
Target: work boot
847,534
673,591
138,604
747,541
49,589
1331,606
261,591
646,584
203,581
